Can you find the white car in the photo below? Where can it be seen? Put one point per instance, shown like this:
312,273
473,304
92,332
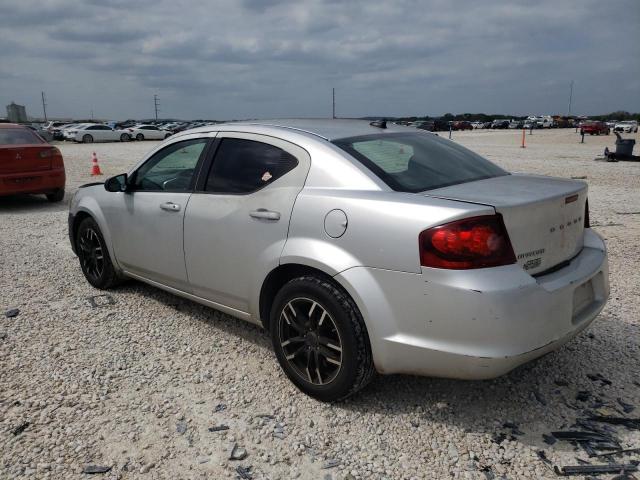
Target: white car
148,132
629,126
94,132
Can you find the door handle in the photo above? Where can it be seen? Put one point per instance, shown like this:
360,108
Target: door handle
170,207
265,214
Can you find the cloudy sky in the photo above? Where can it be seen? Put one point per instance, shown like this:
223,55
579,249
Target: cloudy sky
224,59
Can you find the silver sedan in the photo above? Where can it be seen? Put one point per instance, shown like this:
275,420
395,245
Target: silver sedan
360,247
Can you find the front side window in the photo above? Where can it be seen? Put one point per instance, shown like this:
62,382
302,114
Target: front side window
244,166
172,168
415,162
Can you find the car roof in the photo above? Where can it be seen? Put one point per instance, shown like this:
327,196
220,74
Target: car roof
328,129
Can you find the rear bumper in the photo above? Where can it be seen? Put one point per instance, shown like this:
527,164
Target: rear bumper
477,324
46,181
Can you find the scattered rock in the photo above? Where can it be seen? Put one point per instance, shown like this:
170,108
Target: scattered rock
181,427
244,472
236,452
12,313
147,467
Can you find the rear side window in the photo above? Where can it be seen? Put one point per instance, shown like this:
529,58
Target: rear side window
18,136
415,162
244,166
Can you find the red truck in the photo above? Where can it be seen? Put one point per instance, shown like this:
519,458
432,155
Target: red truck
594,128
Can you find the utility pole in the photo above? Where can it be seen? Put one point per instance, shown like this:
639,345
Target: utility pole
570,97
44,106
156,104
334,102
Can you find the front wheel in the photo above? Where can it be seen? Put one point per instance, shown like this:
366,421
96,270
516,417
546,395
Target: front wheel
87,139
93,255
124,137
320,339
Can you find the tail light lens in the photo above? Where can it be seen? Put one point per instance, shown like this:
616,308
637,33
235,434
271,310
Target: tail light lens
476,242
587,222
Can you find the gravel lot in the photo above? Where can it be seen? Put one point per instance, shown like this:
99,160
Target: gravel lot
137,385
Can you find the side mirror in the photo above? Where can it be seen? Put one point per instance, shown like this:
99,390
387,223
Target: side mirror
117,183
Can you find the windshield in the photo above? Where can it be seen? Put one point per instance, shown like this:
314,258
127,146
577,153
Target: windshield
415,162
18,136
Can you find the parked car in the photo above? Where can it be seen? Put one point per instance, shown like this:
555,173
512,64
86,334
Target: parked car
629,126
516,124
478,125
461,125
594,128
28,164
544,122
93,132
500,123
147,132
358,246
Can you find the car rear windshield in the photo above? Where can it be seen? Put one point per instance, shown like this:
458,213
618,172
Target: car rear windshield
415,162
18,136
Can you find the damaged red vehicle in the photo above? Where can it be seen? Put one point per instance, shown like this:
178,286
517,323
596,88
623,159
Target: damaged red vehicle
28,164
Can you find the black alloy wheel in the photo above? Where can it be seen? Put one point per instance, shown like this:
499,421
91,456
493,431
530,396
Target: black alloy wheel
310,341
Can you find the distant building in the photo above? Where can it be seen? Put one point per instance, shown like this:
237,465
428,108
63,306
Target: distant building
16,113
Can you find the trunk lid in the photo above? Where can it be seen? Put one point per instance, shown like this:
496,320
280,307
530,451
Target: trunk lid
544,216
25,158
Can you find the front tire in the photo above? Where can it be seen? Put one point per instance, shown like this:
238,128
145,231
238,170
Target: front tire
56,196
87,139
94,257
320,339
124,137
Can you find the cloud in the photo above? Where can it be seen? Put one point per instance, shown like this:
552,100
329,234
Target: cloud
262,58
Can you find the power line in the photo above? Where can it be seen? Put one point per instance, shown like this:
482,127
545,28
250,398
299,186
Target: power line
44,106
156,104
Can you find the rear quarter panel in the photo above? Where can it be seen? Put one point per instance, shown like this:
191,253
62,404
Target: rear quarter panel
382,228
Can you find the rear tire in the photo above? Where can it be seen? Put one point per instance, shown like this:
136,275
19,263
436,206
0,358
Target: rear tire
140,137
94,257
87,139
124,137
320,339
56,196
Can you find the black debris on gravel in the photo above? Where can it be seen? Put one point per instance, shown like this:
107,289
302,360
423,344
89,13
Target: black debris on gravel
548,439
630,423
582,470
513,427
597,377
95,469
244,472
218,428
12,313
220,407
626,407
103,300
583,395
561,383
20,428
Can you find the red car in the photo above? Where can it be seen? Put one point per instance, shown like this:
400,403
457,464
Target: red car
28,164
594,128
462,125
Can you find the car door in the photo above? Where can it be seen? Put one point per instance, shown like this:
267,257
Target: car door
237,221
147,221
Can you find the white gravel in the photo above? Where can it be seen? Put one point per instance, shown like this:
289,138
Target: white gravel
136,385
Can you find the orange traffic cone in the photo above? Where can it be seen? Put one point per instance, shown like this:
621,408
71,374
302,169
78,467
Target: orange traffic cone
95,168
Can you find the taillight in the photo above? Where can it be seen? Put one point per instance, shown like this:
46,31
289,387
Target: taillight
48,152
587,223
476,242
